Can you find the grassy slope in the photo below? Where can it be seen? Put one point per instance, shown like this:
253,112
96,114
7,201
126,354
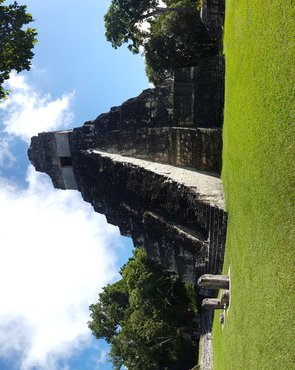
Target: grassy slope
258,175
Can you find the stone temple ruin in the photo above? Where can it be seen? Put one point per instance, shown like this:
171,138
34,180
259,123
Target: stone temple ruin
152,167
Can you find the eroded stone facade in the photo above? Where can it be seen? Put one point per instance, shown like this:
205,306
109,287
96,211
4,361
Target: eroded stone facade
212,15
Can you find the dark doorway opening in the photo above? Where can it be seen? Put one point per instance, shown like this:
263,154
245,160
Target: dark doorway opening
65,161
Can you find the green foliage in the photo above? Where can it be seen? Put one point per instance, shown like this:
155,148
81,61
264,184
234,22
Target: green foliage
147,317
123,19
16,43
173,37
195,4
258,176
177,40
109,311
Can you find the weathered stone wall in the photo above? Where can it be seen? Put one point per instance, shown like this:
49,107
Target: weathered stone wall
152,108
196,148
178,123
199,94
212,15
45,153
186,147
176,214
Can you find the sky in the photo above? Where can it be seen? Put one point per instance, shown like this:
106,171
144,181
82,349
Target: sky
56,253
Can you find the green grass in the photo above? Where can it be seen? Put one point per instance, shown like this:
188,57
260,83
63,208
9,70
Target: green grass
258,176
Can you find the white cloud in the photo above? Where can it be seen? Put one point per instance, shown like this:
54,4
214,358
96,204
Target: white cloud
55,255
100,359
27,112
6,156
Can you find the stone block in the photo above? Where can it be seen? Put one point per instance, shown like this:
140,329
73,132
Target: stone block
214,282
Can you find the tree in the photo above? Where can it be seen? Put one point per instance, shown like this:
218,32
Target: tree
16,43
123,21
148,317
173,37
178,40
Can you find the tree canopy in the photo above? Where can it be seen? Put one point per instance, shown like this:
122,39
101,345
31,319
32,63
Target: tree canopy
123,21
178,40
170,37
149,317
16,43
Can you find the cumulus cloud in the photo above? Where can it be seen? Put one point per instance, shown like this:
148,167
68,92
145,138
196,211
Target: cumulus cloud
6,156
27,111
55,252
55,255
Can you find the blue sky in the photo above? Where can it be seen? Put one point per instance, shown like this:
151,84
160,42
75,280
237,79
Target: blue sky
55,252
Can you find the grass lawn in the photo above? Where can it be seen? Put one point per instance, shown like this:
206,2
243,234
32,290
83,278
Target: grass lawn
258,176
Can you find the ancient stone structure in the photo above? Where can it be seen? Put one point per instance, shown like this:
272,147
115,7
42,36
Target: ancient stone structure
152,167
214,282
212,15
212,304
